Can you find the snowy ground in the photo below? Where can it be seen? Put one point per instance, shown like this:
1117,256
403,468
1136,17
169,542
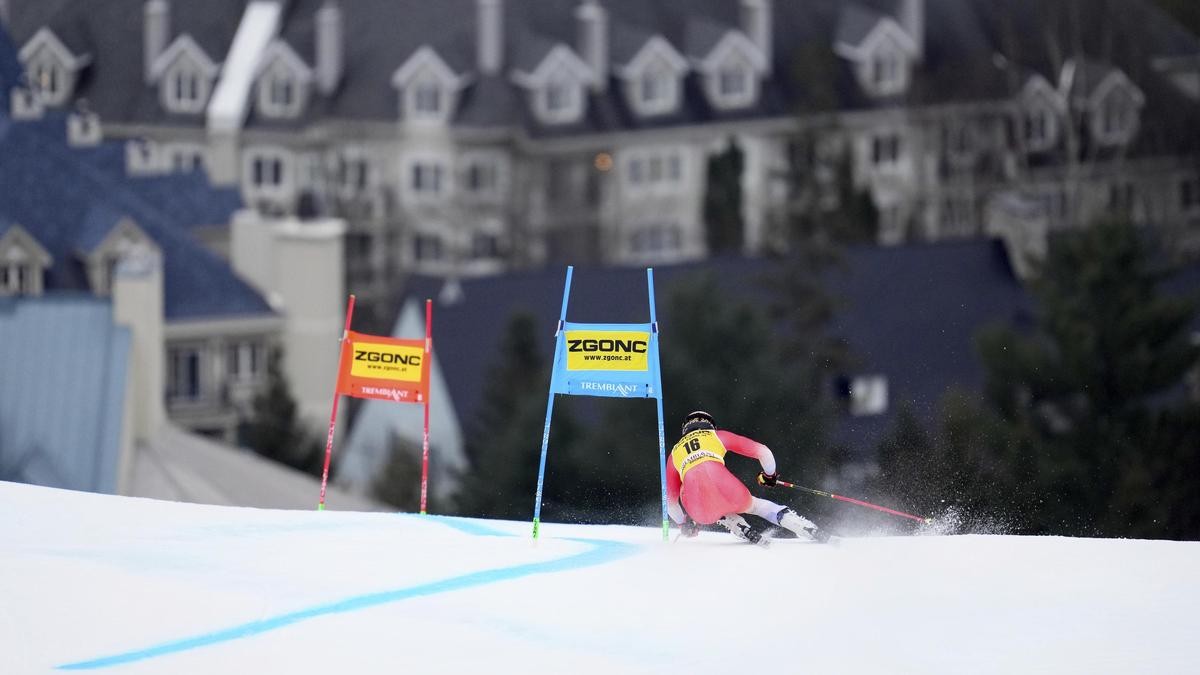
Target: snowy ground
109,584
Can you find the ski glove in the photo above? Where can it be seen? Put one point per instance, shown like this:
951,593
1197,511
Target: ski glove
689,528
768,479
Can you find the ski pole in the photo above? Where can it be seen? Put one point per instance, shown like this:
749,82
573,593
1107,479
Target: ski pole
854,501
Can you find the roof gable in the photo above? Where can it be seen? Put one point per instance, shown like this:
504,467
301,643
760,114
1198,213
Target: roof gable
46,39
882,30
13,235
184,47
281,53
733,44
656,48
424,59
560,59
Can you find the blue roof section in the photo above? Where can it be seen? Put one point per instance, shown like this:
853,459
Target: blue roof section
10,71
62,395
909,313
66,203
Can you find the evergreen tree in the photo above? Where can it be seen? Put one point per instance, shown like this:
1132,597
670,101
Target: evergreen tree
724,227
1084,428
275,430
503,445
399,483
1086,387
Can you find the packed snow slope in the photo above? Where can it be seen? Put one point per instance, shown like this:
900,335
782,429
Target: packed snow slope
109,584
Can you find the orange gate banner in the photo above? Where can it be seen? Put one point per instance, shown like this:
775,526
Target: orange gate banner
385,368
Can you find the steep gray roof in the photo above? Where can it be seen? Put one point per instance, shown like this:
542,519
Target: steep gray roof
65,202
909,313
962,38
63,391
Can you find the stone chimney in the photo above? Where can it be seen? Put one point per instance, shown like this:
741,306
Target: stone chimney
591,36
756,24
330,47
489,35
137,300
912,19
156,29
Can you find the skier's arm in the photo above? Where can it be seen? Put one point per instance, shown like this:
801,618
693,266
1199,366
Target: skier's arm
673,484
749,448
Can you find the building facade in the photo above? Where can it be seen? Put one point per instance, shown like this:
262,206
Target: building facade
469,137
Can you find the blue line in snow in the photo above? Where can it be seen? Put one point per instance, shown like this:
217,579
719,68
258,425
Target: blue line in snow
602,552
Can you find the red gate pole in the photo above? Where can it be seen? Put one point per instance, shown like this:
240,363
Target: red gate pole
428,376
336,398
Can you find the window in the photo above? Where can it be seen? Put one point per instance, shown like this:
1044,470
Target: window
427,178
427,247
1039,128
187,87
354,173
885,150
281,92
1189,195
243,359
1117,115
14,279
865,394
268,172
183,373
559,100
47,78
558,97
1121,196
663,169
427,99
885,72
657,238
485,246
481,176
731,82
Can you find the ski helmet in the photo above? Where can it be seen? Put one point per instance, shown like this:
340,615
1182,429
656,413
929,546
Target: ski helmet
697,419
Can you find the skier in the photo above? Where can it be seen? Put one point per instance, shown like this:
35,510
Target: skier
711,494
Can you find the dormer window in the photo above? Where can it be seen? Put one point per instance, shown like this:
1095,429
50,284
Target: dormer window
556,86
559,101
51,67
1118,117
120,237
186,92
427,99
283,82
731,71
428,87
653,77
47,80
882,52
184,74
22,262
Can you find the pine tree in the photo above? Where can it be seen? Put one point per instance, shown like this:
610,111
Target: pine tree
399,483
503,443
724,227
275,430
1096,388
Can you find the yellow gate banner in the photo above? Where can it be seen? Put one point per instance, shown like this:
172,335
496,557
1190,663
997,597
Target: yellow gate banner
607,350
384,368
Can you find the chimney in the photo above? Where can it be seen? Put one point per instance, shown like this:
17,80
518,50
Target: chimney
156,27
489,35
756,24
4,13
330,47
137,297
912,19
592,41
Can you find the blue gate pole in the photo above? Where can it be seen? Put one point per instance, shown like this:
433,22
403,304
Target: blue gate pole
662,443
558,341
